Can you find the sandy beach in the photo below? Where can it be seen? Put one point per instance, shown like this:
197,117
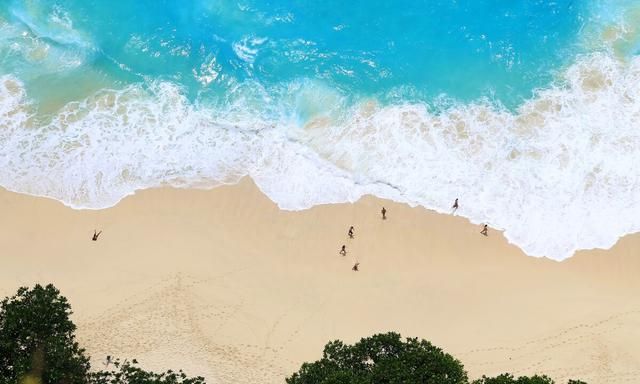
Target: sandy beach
223,284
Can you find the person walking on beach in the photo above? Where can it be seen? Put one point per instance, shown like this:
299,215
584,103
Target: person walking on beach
343,250
355,267
455,205
351,232
484,230
95,235
384,213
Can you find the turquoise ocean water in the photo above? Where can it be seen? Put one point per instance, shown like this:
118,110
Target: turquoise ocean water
527,111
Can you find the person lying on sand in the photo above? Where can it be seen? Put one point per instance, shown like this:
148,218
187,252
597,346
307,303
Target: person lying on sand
343,250
484,230
351,232
355,267
95,235
384,214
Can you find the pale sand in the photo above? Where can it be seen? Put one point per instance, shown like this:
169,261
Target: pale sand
223,284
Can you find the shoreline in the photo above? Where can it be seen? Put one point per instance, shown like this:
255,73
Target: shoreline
366,196
592,85
222,283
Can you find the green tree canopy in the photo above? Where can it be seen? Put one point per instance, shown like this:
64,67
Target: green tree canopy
507,378
37,339
129,373
387,359
382,359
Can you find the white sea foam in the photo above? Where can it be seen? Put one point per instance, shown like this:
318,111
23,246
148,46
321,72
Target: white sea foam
247,48
559,174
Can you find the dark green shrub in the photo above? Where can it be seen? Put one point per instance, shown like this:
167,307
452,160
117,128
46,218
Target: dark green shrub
382,359
37,340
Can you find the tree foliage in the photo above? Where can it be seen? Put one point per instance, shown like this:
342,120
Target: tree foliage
37,340
384,359
387,359
507,378
129,373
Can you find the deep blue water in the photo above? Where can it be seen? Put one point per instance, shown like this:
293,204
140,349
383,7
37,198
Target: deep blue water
388,49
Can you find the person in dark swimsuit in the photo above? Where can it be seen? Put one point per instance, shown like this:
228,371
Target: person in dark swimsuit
343,250
351,232
384,214
355,267
95,235
455,205
485,230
